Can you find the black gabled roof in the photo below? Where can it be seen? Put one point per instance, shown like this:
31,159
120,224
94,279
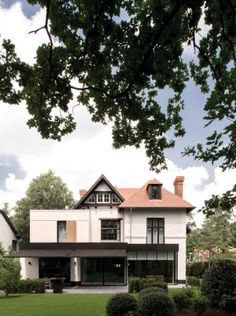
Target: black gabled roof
7,219
101,179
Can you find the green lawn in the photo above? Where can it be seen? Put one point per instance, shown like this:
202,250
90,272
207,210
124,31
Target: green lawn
54,305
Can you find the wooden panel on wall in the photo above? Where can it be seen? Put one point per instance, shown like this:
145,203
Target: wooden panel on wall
71,231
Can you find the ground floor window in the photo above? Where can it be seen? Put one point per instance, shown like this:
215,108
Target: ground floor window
103,271
162,265
54,267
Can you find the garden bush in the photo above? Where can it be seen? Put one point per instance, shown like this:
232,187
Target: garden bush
200,304
9,275
121,304
219,281
228,303
148,290
193,281
197,269
156,304
182,298
160,285
30,286
136,285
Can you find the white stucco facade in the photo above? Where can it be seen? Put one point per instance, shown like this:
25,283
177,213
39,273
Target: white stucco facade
7,235
83,225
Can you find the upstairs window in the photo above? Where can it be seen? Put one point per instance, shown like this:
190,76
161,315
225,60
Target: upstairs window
154,191
61,231
110,230
155,230
106,198
91,199
103,198
115,199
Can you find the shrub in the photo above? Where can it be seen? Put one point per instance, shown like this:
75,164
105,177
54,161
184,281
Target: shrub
160,285
148,290
156,304
200,304
30,286
228,303
197,269
9,274
136,285
121,304
219,281
182,298
193,281
131,283
188,291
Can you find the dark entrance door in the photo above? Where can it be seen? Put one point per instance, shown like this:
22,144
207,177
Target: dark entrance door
54,267
103,271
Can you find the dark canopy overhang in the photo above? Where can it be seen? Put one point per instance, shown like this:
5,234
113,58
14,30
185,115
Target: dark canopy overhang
82,250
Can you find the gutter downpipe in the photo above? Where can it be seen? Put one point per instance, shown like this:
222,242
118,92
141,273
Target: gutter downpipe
130,221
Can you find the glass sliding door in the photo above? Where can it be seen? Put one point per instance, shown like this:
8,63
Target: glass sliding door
54,267
103,271
156,264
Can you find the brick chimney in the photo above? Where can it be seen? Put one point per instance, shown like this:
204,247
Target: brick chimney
82,192
178,184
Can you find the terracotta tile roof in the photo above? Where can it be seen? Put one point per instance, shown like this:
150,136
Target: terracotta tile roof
127,192
139,198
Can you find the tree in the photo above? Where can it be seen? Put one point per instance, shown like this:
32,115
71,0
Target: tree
225,202
45,192
233,234
214,236
9,274
116,57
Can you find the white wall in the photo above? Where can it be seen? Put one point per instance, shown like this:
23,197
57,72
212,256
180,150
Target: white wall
43,227
175,230
29,268
43,223
6,234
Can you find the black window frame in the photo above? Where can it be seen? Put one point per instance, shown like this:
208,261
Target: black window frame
160,226
115,231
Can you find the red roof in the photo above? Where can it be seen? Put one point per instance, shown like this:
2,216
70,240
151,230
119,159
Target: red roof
139,198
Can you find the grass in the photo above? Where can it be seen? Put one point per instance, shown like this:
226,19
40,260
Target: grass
54,305
71,305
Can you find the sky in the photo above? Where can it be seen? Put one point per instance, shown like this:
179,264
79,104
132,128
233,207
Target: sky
81,157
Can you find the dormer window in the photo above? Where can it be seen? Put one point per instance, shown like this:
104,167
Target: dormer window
103,197
154,191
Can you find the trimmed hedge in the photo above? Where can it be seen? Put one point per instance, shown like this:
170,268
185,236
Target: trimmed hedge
156,304
183,298
30,286
219,281
197,269
148,290
193,281
136,285
121,304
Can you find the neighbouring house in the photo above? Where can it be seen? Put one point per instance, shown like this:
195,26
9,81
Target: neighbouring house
8,234
109,235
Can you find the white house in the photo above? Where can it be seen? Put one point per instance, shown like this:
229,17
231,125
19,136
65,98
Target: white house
8,234
110,234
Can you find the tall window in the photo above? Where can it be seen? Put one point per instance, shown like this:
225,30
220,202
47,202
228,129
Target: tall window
61,231
155,230
110,229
